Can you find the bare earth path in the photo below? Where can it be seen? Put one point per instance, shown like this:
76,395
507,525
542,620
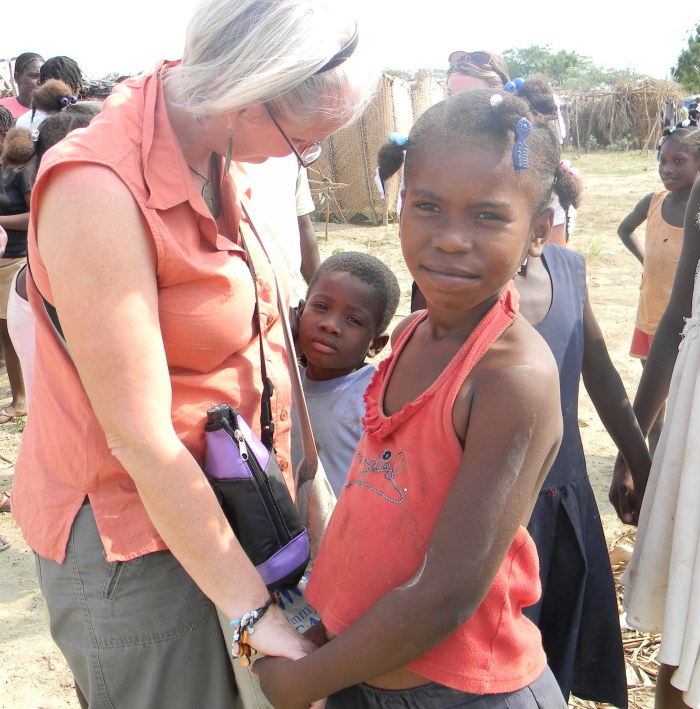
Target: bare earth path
33,673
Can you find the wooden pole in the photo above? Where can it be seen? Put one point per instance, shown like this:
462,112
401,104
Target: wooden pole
578,130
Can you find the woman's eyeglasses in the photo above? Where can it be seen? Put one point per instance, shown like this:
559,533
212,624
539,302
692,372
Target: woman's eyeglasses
483,60
308,155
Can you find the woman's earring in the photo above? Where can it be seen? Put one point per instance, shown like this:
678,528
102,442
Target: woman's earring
229,152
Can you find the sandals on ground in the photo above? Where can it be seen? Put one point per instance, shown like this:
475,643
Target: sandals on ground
5,501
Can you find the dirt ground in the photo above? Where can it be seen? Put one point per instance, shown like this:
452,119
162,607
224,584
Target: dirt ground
33,673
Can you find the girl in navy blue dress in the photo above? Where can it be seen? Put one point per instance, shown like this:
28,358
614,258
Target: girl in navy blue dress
577,613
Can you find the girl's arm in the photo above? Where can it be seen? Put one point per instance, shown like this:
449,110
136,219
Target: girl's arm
20,222
607,392
507,452
109,313
631,222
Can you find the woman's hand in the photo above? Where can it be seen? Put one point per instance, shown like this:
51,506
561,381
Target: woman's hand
275,637
278,681
623,496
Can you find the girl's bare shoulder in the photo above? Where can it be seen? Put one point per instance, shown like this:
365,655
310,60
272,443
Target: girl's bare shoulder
519,360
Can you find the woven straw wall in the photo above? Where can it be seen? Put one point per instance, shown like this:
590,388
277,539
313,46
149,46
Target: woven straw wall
349,156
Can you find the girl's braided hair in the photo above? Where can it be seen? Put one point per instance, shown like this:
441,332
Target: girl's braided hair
487,119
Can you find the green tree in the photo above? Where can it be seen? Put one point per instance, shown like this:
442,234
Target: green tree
566,71
558,67
687,69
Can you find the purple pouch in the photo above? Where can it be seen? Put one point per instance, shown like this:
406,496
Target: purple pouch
253,494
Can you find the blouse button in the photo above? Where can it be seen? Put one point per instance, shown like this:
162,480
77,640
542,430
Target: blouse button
284,415
283,464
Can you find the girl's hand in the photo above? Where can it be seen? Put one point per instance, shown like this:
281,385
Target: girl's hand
317,634
623,496
278,681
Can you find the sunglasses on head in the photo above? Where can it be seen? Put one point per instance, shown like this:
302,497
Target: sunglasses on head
482,60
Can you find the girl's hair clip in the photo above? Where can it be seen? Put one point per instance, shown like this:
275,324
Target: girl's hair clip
65,100
566,166
523,128
514,86
496,100
398,139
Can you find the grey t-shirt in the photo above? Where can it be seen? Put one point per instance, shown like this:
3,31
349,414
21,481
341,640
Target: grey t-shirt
335,409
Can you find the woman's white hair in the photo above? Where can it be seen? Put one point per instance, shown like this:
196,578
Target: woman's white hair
241,52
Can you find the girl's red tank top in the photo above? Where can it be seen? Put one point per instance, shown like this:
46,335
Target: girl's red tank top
378,536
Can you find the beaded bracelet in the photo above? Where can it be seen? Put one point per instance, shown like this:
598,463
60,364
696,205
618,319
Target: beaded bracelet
240,648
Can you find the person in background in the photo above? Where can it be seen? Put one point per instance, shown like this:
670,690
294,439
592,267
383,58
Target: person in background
349,305
20,319
577,613
663,212
284,204
6,122
16,179
661,588
4,498
26,75
48,101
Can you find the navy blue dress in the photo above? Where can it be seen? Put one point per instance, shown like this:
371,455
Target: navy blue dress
577,613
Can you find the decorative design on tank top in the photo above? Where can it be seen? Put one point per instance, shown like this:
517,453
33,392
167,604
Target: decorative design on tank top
389,468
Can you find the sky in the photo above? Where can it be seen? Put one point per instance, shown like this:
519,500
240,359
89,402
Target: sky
129,36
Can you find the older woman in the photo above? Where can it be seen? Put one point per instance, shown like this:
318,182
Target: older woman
147,271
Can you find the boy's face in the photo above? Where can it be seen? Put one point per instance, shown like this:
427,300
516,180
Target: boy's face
338,325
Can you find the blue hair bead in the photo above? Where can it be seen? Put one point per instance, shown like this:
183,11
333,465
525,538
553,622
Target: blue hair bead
398,139
510,87
518,82
64,101
74,99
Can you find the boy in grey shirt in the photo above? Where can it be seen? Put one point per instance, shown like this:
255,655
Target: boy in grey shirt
350,302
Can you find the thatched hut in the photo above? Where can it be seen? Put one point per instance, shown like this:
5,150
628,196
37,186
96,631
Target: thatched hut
629,118
343,178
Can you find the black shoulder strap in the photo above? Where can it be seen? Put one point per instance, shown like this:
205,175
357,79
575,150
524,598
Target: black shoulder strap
50,311
267,425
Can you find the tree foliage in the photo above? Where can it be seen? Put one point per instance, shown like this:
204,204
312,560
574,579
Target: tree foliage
687,69
566,71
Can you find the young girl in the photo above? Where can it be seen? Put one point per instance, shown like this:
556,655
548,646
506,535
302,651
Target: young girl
426,565
577,613
661,591
679,161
